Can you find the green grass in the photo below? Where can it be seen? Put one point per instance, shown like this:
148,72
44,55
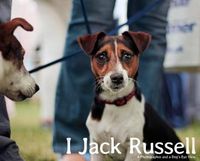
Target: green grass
35,142
192,131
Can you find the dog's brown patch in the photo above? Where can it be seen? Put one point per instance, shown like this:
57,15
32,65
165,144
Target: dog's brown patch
114,55
131,66
10,47
107,51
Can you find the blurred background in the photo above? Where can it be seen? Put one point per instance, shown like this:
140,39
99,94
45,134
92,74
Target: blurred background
32,120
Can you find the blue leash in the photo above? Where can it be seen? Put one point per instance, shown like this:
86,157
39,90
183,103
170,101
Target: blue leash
131,20
89,31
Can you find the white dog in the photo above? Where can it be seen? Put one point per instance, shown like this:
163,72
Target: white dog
15,81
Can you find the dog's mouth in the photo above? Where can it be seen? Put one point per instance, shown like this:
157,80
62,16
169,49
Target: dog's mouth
114,88
112,91
117,87
19,95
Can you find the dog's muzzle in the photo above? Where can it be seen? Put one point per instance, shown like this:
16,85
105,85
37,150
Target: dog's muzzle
20,96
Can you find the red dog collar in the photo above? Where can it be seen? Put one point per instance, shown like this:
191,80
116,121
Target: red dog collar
118,102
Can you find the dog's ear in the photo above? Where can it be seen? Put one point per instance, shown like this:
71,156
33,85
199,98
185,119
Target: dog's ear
89,42
8,40
141,40
10,26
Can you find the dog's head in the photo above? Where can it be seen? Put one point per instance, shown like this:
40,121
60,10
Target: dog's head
115,59
15,81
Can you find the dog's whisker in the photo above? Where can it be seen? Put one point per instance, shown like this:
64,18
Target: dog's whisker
134,80
98,84
99,77
99,80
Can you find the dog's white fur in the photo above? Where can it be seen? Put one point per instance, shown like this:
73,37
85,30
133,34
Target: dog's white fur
106,84
129,115
15,83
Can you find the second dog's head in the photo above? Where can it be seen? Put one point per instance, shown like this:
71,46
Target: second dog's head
115,59
15,81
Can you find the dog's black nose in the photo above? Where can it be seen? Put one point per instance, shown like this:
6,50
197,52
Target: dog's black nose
117,78
37,88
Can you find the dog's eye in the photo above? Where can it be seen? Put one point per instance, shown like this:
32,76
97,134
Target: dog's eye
102,58
126,57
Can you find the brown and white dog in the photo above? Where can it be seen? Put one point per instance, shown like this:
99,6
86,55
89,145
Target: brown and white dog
119,109
15,81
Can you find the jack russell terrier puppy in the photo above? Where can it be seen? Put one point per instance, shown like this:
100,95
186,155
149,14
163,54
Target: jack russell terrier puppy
15,81
119,110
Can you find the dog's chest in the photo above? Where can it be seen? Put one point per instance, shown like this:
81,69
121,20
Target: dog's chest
121,123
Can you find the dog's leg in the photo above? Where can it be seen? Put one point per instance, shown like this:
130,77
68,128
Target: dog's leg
135,156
